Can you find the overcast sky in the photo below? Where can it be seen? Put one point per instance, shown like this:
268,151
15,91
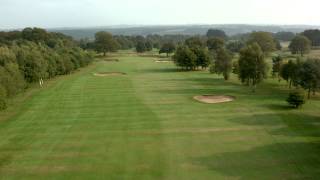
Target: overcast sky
84,13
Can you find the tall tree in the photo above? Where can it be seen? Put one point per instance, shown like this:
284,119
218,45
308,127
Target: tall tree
141,47
235,46
105,43
277,63
309,76
194,42
216,33
149,45
289,72
185,58
215,43
300,45
167,48
284,36
313,35
202,57
222,63
252,65
264,39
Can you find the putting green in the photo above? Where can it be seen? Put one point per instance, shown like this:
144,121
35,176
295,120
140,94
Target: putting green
146,125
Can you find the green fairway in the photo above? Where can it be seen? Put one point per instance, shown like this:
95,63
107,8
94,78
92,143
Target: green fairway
146,125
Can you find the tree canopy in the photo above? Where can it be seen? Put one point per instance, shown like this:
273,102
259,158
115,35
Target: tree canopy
215,43
300,45
264,39
313,35
104,43
222,63
167,48
32,56
216,33
252,65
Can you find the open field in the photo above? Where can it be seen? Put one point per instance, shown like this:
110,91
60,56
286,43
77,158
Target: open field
146,125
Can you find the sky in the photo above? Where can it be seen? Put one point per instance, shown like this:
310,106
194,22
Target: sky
92,13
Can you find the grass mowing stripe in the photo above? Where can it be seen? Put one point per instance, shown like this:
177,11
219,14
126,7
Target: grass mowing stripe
145,125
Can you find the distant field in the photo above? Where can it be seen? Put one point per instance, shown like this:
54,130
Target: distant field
146,125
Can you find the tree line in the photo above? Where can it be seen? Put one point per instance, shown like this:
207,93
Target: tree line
251,65
34,55
105,42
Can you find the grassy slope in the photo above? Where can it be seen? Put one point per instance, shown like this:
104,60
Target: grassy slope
146,126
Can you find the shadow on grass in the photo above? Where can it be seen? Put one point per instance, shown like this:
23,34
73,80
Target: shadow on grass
161,70
275,161
279,107
294,124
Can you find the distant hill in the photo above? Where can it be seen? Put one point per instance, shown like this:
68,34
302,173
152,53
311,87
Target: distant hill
79,33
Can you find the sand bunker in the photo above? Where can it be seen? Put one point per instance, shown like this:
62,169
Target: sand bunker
104,74
212,99
159,61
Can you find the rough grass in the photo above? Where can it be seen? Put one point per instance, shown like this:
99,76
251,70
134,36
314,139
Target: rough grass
146,125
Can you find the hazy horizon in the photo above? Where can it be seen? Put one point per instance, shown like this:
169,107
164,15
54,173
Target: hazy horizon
16,14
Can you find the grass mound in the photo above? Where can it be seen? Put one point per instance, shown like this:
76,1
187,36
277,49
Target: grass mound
213,99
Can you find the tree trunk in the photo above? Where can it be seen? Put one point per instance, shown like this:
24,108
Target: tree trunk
309,93
290,84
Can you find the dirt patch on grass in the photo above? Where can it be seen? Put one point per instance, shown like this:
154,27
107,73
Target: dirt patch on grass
105,74
213,99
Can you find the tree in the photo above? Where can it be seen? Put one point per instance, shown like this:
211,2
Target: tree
309,76
185,58
34,55
105,43
141,47
277,63
252,66
216,33
194,42
202,57
264,39
11,78
167,48
278,44
300,45
222,63
215,43
235,46
148,45
289,72
35,34
313,35
296,99
284,36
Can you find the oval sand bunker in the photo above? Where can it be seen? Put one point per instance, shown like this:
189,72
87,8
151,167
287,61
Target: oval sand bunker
212,99
104,74
163,61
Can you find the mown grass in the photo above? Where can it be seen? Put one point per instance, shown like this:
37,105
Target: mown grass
145,125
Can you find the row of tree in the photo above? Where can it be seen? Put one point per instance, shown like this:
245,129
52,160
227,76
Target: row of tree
105,42
34,55
251,66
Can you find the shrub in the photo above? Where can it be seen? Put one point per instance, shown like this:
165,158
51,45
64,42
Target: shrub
296,99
